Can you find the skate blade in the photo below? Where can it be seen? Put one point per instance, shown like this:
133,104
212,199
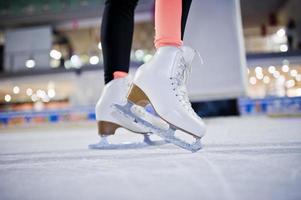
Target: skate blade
140,112
123,146
167,135
147,142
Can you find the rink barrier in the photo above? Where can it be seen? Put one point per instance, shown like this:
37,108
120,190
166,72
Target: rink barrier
79,113
271,106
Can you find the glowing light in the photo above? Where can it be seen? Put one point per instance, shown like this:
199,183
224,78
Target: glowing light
281,32
55,54
34,97
252,80
54,63
94,60
285,68
75,61
147,58
41,94
271,69
51,93
266,79
279,39
298,77
7,98
283,48
30,63
99,46
67,64
290,83
29,91
139,54
293,72
258,70
16,90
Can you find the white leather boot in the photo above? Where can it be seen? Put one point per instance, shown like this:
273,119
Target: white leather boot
109,121
162,83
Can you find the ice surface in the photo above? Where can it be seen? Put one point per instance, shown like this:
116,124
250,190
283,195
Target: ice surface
243,158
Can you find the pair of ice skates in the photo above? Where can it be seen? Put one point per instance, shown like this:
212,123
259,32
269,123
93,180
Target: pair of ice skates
161,85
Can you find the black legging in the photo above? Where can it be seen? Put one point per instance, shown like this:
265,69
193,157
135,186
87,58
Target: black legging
117,34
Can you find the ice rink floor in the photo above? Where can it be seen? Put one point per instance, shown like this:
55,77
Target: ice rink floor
243,158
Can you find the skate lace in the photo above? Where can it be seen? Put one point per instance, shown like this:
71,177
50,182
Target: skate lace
179,81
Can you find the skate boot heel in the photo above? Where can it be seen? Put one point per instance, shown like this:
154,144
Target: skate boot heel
137,96
106,128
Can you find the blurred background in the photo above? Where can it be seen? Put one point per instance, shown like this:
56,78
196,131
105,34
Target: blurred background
51,60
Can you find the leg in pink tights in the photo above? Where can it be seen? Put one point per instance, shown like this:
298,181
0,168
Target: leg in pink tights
168,14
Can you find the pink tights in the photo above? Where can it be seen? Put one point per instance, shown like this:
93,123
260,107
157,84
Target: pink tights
168,15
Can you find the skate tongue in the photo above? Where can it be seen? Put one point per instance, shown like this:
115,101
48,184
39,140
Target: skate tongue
183,71
189,55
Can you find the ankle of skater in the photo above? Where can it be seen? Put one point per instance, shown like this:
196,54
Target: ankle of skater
168,43
119,74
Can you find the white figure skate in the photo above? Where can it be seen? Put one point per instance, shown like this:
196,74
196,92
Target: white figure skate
162,83
108,122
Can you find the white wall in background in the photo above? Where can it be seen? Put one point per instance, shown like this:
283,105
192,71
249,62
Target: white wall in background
24,43
214,28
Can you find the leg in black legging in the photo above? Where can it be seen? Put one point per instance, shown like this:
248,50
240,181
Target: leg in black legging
185,10
117,35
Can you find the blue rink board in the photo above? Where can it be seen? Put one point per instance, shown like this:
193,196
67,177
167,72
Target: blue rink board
270,106
247,106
